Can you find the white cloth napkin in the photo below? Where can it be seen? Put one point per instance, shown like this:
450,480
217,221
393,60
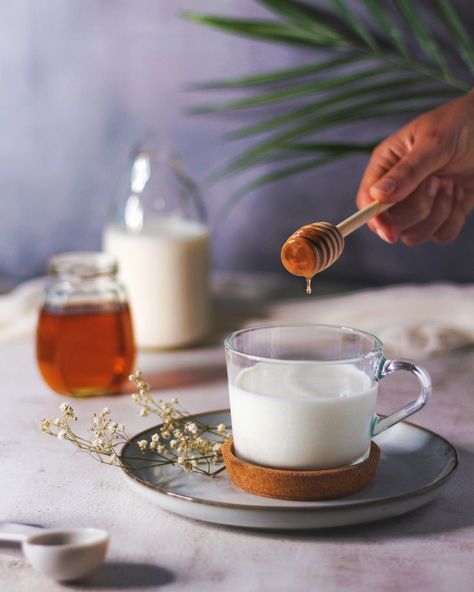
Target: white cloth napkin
413,321
19,309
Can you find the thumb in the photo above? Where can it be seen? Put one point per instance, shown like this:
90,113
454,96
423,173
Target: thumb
404,177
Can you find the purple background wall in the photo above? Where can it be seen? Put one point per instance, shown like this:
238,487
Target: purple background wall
83,81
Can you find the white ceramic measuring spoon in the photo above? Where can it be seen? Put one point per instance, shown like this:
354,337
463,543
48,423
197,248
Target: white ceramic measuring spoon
62,555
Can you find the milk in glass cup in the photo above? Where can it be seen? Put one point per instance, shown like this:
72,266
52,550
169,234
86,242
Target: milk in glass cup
304,396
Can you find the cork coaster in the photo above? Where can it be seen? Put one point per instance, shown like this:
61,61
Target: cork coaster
299,485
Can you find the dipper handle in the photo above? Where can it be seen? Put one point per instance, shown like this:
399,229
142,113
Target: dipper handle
362,217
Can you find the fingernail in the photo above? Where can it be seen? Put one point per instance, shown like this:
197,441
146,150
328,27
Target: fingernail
433,186
387,186
382,235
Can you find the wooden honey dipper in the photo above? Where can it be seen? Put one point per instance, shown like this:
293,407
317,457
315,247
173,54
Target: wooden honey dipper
316,246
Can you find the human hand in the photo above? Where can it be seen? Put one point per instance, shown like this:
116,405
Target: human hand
427,170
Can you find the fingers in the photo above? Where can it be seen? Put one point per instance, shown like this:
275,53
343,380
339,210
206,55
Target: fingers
425,158
440,212
397,168
450,229
415,209
378,166
403,170
381,161
421,217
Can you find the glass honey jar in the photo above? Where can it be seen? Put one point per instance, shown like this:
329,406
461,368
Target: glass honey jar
84,339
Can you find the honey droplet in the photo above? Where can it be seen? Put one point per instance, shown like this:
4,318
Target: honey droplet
308,285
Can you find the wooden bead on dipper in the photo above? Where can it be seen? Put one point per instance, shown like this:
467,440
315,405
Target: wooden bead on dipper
312,248
316,246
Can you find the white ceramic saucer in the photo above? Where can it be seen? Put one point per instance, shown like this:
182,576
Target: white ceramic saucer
414,465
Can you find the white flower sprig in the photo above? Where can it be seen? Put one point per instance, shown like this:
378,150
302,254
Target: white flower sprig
182,440
103,438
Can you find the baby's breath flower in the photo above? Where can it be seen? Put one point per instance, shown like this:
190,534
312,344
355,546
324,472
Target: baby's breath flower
68,411
188,449
142,444
135,376
192,428
45,426
98,444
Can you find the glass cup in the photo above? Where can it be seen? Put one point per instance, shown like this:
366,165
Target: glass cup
304,396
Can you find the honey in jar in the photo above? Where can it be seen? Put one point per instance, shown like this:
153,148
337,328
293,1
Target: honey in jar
84,341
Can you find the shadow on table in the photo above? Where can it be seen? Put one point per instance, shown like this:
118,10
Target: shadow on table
124,576
452,510
182,377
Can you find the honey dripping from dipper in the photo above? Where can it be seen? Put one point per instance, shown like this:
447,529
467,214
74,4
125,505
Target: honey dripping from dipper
314,247
311,249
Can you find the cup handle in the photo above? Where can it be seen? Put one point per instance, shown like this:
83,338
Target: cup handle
387,367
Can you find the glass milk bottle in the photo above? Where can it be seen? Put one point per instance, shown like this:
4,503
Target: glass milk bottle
159,236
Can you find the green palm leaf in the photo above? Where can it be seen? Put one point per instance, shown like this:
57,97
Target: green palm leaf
457,30
272,178
387,80
371,109
353,22
285,75
383,21
423,35
346,96
270,31
311,18
341,148
295,92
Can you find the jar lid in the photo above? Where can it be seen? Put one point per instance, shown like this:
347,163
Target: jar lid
82,264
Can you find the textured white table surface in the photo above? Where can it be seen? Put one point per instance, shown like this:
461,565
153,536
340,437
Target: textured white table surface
43,481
